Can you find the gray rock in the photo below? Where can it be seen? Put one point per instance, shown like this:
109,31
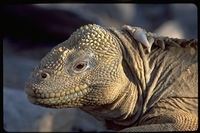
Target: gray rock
148,16
170,29
20,115
16,71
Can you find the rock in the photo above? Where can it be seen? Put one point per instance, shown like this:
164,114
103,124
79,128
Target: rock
16,71
20,115
170,29
186,17
37,24
18,112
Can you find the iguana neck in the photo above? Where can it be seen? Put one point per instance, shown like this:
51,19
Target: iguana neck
128,107
136,63
133,63
122,112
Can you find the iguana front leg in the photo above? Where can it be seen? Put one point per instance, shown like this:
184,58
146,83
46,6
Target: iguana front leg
178,121
148,38
140,35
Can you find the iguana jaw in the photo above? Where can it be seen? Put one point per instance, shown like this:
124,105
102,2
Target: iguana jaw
69,98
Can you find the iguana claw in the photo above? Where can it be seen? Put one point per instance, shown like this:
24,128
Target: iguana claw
140,35
148,38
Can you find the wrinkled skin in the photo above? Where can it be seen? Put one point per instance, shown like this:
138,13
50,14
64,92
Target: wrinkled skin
109,74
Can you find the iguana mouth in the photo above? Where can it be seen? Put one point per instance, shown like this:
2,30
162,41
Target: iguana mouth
54,100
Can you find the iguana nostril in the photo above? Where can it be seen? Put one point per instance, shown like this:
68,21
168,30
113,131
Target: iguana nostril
43,75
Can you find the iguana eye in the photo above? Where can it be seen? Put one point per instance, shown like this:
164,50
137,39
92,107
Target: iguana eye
81,66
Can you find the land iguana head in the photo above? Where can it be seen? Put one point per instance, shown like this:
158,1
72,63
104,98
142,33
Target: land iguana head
105,72
85,70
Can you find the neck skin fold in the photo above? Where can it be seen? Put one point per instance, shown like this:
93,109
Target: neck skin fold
126,110
121,113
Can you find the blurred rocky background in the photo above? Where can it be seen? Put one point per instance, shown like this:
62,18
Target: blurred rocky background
30,31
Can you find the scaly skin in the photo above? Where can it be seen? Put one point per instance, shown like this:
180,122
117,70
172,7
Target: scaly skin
107,73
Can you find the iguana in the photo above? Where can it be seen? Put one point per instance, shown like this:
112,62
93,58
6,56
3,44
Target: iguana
127,86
